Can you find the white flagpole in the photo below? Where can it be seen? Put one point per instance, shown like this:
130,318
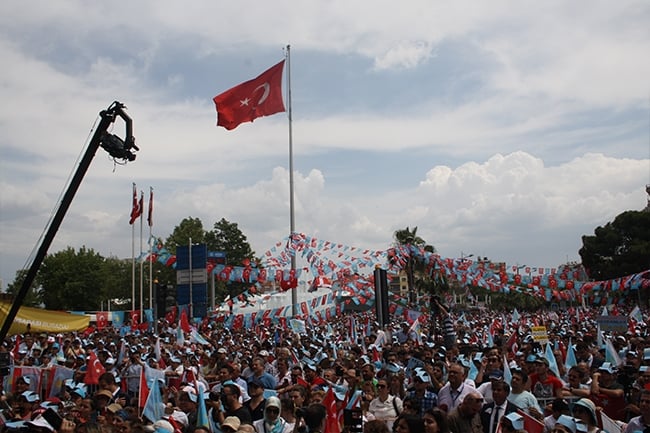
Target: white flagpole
292,219
150,223
133,257
141,264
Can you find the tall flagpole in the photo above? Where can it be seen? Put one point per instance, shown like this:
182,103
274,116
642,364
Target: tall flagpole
150,222
292,218
133,257
141,263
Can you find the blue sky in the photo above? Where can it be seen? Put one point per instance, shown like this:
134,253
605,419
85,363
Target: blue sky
501,129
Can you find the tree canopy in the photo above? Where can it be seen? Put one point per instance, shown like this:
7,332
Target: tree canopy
619,248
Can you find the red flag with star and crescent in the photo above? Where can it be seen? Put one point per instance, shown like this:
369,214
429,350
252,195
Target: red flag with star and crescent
332,419
261,96
94,369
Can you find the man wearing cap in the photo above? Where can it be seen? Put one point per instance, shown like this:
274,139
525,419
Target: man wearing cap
421,394
607,392
256,402
543,383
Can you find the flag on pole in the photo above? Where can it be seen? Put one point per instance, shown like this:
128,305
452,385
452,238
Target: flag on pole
150,215
94,369
332,419
261,96
636,314
154,408
144,388
552,362
202,412
136,211
571,360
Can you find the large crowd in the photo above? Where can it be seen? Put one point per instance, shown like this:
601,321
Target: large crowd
477,371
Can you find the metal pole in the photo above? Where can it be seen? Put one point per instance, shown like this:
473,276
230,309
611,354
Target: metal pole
107,118
191,303
292,219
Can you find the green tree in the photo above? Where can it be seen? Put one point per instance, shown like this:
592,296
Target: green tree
227,237
115,276
621,247
33,296
189,228
420,278
72,280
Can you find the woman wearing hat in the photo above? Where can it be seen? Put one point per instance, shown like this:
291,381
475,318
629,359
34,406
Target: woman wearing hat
585,410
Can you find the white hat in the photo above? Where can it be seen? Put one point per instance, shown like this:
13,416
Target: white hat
232,421
162,426
40,422
516,420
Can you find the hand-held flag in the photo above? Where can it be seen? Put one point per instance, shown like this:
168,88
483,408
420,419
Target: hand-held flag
261,96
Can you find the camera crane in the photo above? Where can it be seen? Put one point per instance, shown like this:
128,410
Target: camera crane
121,150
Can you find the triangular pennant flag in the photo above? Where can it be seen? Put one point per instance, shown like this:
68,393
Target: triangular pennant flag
154,408
202,412
550,357
571,360
507,374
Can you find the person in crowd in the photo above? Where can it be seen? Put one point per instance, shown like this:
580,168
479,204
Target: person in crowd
559,407
543,383
522,398
512,423
255,404
453,392
406,423
435,421
585,411
272,421
465,417
231,406
375,426
385,407
607,392
642,421
491,413
421,393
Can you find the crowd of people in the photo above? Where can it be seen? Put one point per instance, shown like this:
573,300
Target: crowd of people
460,372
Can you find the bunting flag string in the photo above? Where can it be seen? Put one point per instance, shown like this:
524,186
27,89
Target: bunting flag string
344,265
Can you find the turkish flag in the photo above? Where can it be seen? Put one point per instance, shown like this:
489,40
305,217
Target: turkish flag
531,425
135,317
94,369
102,319
332,420
144,389
261,96
184,322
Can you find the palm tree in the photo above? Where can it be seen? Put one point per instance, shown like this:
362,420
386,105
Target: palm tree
415,269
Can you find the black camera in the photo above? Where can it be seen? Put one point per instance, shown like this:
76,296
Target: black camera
214,396
300,412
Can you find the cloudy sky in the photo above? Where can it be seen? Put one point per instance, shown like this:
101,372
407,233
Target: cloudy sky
505,129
